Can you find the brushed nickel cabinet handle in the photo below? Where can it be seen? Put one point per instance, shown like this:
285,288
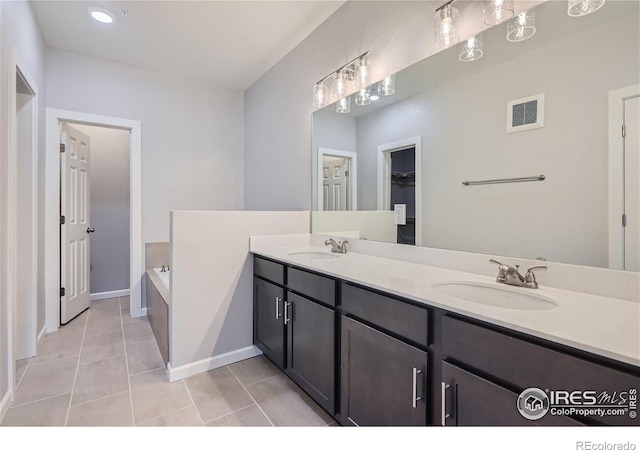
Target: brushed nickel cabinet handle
445,415
287,319
415,398
278,314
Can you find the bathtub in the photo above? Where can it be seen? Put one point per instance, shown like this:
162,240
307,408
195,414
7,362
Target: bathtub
164,277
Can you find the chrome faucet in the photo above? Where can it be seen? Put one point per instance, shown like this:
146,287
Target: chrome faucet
511,275
337,247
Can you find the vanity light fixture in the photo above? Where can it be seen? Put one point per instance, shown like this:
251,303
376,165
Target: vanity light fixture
358,70
320,94
445,26
497,11
471,49
579,8
101,15
344,105
363,97
522,26
387,86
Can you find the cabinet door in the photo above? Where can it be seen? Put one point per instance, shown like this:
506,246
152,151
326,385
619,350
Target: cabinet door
311,349
268,324
383,380
469,400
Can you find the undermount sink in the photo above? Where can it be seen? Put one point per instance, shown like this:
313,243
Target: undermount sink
496,295
315,255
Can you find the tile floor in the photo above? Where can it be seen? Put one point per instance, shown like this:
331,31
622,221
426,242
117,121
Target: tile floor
104,369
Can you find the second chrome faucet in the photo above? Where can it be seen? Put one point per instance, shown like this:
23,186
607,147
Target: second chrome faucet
511,275
337,247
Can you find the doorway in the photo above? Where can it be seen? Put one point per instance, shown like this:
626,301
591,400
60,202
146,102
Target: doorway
400,183
52,208
337,180
624,179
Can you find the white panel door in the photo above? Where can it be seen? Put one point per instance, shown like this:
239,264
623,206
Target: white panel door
632,184
75,233
335,183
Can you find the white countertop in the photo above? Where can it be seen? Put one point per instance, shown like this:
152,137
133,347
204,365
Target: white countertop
601,325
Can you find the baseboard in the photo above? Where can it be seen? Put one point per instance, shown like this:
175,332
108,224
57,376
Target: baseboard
41,334
144,311
109,294
194,368
4,405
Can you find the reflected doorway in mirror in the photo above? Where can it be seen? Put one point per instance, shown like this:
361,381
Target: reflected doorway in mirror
337,180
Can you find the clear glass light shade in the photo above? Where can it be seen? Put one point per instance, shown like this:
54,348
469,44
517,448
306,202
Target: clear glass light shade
387,86
363,77
471,49
344,105
578,8
320,94
339,85
446,27
497,11
363,97
521,27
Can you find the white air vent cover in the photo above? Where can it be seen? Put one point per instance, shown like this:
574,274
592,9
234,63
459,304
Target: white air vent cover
525,113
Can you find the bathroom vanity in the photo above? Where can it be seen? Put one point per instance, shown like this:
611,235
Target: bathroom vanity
374,342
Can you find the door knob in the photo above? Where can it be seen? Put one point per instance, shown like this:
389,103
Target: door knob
90,230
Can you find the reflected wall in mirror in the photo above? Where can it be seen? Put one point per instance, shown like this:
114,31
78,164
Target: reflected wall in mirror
453,118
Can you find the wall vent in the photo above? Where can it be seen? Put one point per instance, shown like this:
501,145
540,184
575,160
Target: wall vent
525,113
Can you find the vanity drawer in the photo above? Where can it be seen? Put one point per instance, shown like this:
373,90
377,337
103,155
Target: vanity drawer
409,321
524,364
312,285
268,270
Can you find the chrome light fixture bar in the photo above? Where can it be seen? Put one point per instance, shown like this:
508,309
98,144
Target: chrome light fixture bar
357,70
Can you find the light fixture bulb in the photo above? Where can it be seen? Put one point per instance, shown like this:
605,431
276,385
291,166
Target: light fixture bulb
497,11
579,8
339,84
362,73
471,49
101,15
387,86
521,27
344,105
363,97
319,95
446,28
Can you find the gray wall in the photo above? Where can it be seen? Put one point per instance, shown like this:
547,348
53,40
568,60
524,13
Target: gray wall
278,106
565,218
192,138
19,29
109,187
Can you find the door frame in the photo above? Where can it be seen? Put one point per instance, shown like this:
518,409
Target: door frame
16,64
52,208
353,175
384,176
616,178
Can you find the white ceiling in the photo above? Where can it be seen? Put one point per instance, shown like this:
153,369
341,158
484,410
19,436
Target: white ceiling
226,43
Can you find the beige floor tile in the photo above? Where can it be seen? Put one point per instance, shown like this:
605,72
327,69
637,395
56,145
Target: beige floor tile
285,403
143,356
187,417
103,321
253,370
58,345
100,379
216,393
51,412
106,303
139,331
247,417
154,396
76,325
48,379
112,411
102,346
21,368
124,302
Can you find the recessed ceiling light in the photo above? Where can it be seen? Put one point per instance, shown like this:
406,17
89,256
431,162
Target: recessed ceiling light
101,15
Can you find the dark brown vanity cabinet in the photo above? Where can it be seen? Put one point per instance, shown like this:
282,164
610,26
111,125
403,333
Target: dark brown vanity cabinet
295,326
383,372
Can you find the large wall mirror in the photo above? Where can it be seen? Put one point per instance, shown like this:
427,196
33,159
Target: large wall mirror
549,109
